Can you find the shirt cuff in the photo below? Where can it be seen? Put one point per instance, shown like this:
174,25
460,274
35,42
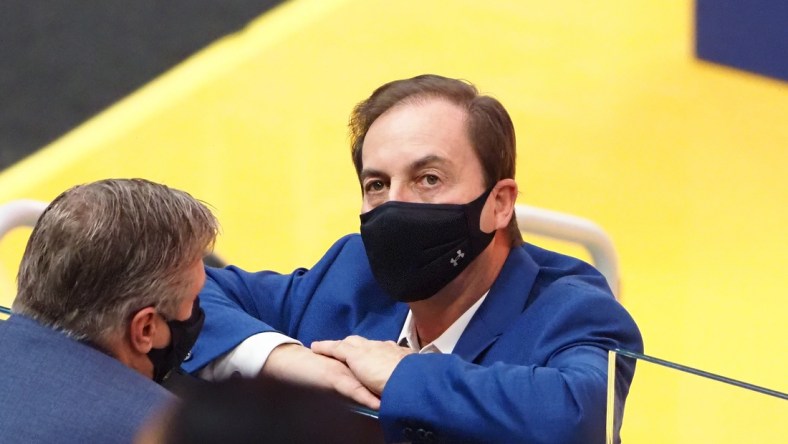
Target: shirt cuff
247,359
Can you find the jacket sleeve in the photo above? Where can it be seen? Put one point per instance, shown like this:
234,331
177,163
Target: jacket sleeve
239,304
560,400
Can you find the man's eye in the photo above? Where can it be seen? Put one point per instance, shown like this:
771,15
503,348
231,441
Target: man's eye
374,185
431,179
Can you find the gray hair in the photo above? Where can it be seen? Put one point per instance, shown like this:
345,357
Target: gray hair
104,250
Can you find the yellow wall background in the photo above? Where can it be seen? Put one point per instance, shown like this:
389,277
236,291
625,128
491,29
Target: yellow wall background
682,162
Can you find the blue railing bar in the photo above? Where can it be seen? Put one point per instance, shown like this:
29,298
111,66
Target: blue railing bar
694,371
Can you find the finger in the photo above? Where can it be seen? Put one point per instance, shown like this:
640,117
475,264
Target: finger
356,341
332,349
324,345
351,388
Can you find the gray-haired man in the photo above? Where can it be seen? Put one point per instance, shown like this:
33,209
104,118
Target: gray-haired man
107,301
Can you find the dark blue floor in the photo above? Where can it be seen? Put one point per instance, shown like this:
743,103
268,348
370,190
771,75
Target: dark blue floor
63,62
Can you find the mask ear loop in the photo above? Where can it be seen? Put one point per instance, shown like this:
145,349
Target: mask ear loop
474,208
183,335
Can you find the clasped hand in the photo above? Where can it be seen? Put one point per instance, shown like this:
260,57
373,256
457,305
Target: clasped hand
372,362
354,367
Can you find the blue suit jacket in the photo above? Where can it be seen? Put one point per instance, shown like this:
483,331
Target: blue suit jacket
530,367
57,390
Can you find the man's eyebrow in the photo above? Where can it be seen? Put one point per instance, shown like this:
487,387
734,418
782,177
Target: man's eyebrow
367,172
429,160
425,161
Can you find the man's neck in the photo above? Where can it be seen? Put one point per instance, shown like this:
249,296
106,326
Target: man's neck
434,315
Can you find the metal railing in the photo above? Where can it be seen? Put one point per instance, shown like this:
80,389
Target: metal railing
19,213
574,229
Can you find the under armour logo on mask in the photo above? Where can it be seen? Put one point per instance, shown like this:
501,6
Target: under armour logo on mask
456,259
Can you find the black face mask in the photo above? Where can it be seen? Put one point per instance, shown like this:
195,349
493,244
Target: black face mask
415,249
184,335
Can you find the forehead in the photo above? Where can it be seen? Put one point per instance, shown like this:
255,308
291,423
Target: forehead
413,130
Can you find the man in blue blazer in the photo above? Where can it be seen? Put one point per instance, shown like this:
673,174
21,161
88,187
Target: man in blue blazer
438,313
106,302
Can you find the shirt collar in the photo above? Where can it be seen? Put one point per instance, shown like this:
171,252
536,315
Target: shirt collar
446,342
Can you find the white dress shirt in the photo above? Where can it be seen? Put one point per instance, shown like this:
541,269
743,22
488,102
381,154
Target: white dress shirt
247,359
446,342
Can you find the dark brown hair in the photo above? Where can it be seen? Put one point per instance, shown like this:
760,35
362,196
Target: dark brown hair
490,128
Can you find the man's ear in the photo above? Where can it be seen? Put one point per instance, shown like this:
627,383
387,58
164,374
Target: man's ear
142,330
505,195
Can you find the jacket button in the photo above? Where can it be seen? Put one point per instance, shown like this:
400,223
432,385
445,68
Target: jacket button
425,436
407,432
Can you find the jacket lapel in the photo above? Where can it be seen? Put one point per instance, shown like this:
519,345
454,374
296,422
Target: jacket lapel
504,303
384,325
